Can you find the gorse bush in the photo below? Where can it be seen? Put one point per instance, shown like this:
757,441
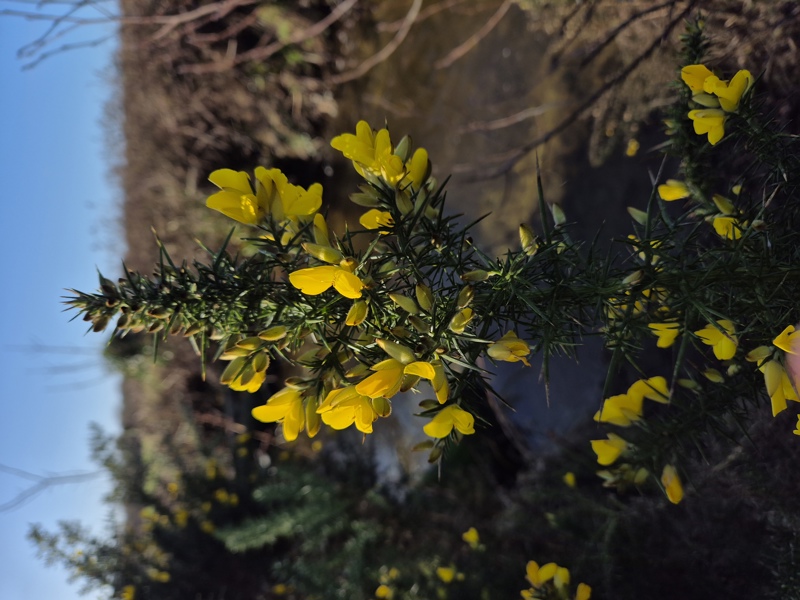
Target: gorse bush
696,308
370,312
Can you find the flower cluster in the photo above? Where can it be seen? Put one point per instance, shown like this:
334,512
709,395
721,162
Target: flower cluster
716,97
551,581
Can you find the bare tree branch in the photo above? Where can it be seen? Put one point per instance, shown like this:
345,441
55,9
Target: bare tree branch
472,41
42,483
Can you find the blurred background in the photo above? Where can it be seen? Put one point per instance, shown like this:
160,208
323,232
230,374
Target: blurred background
112,118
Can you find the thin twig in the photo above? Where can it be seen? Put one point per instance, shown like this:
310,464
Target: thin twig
473,40
385,52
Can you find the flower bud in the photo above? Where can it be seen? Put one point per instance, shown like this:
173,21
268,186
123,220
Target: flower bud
326,254
460,321
274,333
382,406
357,313
418,324
424,297
465,296
232,370
249,343
637,215
321,231
527,240
260,362
559,218
406,303
397,351
475,276
403,148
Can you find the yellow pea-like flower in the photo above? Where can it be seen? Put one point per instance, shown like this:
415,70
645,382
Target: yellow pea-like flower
376,219
609,450
449,418
788,340
510,349
665,332
694,76
722,339
316,280
471,537
673,190
345,407
285,407
710,121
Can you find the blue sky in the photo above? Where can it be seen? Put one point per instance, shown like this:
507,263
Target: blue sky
58,223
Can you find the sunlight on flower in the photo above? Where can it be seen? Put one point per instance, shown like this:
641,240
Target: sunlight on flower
448,418
376,219
537,576
344,407
723,344
316,280
285,407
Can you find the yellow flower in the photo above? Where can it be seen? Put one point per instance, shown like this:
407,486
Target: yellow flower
446,574
371,152
387,379
273,195
584,592
460,321
376,219
538,576
728,227
446,419
709,121
128,592
241,376
797,426
510,349
788,340
286,407
672,484
341,408
569,479
694,76
384,591
316,280
439,382
730,94
609,450
665,332
624,409
632,148
673,190
620,410
722,339
779,386
471,537
561,578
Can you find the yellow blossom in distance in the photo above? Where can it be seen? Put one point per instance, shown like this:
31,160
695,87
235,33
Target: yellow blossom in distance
316,280
285,407
583,592
448,418
632,149
510,349
722,339
538,576
446,574
672,484
569,479
673,190
665,332
797,426
788,340
710,121
471,537
384,591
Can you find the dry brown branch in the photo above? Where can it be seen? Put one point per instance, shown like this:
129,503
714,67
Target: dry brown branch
511,158
474,39
261,53
423,14
510,120
218,420
385,52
